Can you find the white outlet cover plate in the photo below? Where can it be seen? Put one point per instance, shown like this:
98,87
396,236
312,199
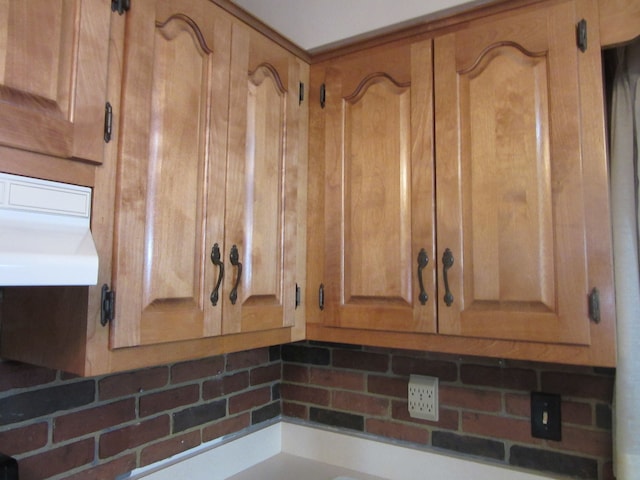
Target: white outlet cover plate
423,397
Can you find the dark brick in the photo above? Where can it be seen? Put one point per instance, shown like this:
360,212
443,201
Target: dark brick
24,439
603,416
578,385
197,369
308,355
554,462
337,419
169,400
93,419
37,403
445,371
276,393
247,359
131,436
370,362
21,375
199,415
58,460
167,448
479,447
508,378
266,413
275,353
130,383
398,431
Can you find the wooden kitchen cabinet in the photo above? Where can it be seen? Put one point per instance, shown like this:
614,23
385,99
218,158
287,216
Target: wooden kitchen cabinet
519,161
178,180
375,144
53,79
206,209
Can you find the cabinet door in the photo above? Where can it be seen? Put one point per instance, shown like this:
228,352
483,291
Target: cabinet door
509,182
53,76
266,121
379,190
172,152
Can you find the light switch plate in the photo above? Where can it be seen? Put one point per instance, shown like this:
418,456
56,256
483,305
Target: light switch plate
546,421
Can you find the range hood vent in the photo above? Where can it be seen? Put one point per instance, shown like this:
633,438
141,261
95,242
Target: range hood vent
45,236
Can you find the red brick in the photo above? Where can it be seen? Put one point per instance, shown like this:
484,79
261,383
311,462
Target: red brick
389,386
502,428
226,426
247,359
337,379
607,471
518,404
470,398
24,439
130,383
299,393
590,442
499,377
249,400
132,436
398,431
359,403
578,385
112,469
57,460
167,448
93,419
225,385
577,413
355,360
447,419
445,371
295,373
267,374
22,375
295,410
197,369
168,399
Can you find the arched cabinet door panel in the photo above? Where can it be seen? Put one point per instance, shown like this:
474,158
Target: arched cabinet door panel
378,190
509,185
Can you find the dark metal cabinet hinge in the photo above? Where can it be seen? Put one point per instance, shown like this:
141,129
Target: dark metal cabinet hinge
108,122
321,296
594,305
108,304
301,94
323,95
297,295
120,6
581,33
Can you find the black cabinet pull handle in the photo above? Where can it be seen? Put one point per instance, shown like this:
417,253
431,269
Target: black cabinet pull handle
423,259
447,262
215,259
234,257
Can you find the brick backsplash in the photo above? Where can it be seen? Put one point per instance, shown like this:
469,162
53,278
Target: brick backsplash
484,404
60,426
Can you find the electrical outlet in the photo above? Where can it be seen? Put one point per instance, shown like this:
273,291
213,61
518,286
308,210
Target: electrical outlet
423,397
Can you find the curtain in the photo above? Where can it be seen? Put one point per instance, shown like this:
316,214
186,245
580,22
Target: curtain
625,126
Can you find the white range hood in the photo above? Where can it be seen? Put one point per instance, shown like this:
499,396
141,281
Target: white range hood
45,236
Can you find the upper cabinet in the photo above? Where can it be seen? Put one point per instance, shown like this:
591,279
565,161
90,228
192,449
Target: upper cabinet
206,206
53,76
375,143
510,187
457,200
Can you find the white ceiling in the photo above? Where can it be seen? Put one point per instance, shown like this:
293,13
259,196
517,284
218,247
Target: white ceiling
312,24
